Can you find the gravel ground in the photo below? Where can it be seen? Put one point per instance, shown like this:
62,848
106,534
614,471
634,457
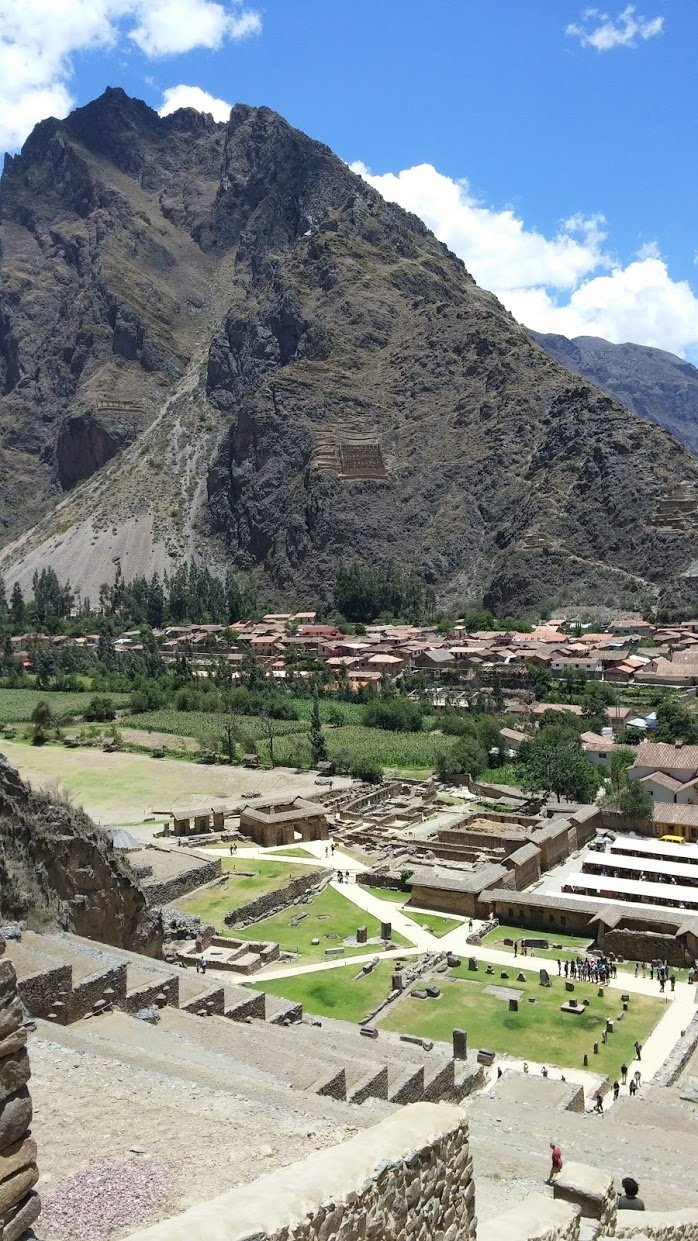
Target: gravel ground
194,1142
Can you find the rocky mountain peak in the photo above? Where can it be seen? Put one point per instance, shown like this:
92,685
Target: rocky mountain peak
230,347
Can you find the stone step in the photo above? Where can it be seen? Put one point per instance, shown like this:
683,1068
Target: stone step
511,1142
147,1064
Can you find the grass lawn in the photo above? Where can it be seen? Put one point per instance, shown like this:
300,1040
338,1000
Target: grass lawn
306,854
438,924
572,945
329,915
387,894
213,903
538,1031
335,993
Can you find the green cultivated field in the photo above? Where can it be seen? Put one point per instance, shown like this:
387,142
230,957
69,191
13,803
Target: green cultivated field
438,924
351,741
16,705
213,903
538,1031
336,992
330,914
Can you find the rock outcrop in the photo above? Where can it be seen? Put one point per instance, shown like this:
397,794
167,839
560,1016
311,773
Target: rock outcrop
319,380
655,384
58,869
19,1203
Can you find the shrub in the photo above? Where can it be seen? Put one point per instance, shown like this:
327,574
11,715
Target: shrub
367,771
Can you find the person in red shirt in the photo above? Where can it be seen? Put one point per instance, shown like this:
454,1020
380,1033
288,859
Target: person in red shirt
555,1161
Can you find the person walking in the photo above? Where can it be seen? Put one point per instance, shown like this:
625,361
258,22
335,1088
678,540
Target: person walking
598,1105
624,1074
632,1087
672,982
637,1078
555,1162
638,1050
559,967
616,1091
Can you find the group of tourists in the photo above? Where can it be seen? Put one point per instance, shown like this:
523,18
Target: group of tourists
588,970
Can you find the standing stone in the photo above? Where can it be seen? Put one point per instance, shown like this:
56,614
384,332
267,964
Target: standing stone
460,1044
386,930
513,1005
362,935
399,982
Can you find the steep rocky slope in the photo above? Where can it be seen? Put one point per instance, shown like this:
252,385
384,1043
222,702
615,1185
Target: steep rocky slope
58,869
655,384
318,380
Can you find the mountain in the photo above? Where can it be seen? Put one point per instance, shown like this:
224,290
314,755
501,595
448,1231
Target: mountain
655,384
218,343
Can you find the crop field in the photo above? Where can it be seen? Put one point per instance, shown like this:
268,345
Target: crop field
359,744
352,742
207,726
16,705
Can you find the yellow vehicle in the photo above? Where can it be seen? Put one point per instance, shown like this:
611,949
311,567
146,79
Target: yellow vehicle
673,840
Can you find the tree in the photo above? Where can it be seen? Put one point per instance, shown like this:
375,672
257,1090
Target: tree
99,709
676,723
467,758
318,744
621,760
269,730
43,720
635,802
364,769
17,606
229,736
560,769
396,713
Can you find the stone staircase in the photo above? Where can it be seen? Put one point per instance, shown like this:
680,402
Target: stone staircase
64,978
96,992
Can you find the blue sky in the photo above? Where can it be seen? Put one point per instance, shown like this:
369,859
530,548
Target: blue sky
549,142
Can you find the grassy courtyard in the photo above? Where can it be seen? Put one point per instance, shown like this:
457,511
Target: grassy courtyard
387,894
438,924
211,904
331,918
538,1031
335,993
572,946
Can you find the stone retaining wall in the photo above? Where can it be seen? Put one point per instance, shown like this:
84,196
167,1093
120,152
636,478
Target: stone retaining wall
645,946
409,1176
280,898
39,991
19,1204
659,1225
90,991
168,890
678,1058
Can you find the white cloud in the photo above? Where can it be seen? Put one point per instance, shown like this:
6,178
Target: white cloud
569,283
39,37
193,97
169,27
600,31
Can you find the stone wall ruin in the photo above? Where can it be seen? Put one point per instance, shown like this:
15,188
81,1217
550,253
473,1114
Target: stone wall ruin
19,1204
